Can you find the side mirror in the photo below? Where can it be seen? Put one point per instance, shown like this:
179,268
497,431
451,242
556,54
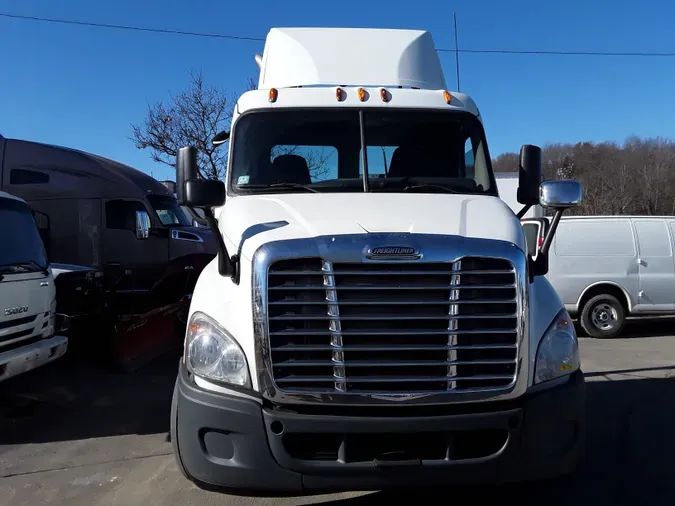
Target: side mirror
529,175
204,193
142,225
560,194
556,195
191,189
194,192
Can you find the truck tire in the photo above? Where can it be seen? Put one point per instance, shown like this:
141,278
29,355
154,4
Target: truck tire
603,316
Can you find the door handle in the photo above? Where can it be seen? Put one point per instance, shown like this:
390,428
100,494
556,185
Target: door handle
640,262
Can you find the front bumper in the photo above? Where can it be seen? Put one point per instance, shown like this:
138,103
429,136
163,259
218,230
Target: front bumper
234,442
25,358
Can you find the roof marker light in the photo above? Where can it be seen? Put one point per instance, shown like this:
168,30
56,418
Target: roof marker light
273,95
339,94
362,94
384,95
447,96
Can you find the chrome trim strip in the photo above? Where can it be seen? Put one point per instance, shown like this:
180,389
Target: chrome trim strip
353,249
188,236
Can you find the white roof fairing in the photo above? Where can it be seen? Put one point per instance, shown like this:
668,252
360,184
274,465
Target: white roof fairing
350,57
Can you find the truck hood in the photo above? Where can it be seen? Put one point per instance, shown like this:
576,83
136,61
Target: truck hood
247,222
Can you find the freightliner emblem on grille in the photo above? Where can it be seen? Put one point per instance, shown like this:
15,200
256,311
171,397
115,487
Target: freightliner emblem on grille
393,253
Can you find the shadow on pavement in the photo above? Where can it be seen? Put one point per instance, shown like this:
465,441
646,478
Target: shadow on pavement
630,454
69,400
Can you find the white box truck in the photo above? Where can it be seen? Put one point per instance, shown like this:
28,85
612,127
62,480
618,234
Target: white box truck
372,318
27,294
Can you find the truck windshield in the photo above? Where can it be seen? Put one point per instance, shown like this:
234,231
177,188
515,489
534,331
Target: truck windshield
320,150
168,210
22,249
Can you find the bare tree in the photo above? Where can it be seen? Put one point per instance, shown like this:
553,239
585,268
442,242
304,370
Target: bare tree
190,118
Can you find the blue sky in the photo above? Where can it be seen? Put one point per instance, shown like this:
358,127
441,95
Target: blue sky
82,87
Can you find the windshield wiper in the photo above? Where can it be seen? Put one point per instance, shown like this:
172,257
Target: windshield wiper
443,189
280,185
24,263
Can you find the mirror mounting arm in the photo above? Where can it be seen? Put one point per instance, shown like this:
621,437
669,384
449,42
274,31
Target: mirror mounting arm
539,267
226,266
524,210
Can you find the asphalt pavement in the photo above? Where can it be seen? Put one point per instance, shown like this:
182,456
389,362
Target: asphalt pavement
76,435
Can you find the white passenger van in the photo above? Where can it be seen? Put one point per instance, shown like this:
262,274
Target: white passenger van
372,318
27,293
606,268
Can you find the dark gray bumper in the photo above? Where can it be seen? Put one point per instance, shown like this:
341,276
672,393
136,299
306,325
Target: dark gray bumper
233,443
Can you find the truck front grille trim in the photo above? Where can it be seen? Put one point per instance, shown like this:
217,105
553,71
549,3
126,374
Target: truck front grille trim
387,328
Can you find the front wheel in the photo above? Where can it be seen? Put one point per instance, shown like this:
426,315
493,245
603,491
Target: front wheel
603,316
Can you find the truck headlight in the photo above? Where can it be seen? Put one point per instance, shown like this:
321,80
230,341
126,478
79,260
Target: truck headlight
558,352
214,354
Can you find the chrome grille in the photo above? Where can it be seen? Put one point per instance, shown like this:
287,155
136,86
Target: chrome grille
393,328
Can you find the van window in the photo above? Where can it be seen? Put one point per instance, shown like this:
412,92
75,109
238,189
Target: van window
22,249
602,237
653,238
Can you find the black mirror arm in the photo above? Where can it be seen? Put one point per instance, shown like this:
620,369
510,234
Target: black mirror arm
551,231
196,217
539,267
524,210
226,266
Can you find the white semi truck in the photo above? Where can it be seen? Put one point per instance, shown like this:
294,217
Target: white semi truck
27,294
372,318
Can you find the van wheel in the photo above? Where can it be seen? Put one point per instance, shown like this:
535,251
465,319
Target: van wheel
603,316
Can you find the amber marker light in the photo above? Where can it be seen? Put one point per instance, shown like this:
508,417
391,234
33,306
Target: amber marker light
384,95
273,94
362,94
447,96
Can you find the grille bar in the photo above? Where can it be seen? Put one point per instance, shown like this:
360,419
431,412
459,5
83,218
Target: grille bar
408,287
392,332
393,303
392,327
292,348
399,363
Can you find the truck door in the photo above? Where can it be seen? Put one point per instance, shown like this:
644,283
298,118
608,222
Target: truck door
145,257
656,270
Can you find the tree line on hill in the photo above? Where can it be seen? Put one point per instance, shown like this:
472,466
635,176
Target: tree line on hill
634,178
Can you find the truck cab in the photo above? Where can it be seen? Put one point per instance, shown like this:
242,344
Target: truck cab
372,318
27,294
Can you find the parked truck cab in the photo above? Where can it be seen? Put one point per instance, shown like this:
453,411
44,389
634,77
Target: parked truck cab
27,294
372,318
102,214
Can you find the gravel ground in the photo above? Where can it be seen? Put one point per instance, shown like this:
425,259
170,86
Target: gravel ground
76,436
